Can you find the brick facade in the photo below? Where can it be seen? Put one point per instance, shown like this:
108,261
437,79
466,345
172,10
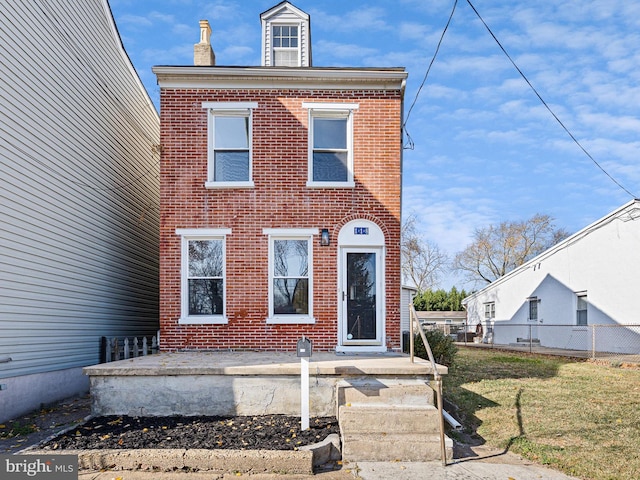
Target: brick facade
280,199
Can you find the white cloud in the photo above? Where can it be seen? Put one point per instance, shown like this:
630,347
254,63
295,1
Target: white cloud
134,20
343,50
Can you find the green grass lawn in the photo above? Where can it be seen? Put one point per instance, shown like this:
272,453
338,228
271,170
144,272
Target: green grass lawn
578,417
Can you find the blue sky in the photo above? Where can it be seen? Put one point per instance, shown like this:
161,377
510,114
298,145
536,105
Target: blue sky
485,148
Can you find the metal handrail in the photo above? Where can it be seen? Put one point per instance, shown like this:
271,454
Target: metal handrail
437,378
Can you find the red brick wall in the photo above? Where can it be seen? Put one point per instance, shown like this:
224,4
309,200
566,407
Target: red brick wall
280,199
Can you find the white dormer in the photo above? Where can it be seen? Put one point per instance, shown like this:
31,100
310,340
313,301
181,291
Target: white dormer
286,37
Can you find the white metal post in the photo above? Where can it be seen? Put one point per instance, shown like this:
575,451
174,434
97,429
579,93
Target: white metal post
304,392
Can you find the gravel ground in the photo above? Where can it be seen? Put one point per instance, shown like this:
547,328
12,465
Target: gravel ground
268,432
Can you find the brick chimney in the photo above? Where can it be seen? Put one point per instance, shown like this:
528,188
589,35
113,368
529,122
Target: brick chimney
202,52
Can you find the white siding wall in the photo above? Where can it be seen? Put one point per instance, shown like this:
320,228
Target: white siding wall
603,262
78,188
292,18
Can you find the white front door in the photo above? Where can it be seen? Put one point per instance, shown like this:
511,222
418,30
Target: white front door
361,294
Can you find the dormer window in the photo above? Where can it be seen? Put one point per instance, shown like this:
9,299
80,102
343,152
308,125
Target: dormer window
286,37
286,45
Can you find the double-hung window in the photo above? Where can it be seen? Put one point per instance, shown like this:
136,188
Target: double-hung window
290,275
286,45
489,310
581,309
203,279
330,144
229,144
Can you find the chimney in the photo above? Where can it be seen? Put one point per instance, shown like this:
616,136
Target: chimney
202,52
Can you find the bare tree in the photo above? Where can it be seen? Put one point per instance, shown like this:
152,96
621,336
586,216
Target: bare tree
496,250
422,261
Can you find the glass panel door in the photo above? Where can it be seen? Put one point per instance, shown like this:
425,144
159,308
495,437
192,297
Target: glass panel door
361,298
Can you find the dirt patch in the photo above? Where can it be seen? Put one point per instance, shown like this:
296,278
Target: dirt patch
37,426
267,432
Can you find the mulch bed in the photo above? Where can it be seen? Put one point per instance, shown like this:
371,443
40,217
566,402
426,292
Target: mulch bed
267,432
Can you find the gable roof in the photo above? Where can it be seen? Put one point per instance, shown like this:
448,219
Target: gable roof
630,210
281,7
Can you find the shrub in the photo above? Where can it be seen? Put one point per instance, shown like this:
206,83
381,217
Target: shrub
442,346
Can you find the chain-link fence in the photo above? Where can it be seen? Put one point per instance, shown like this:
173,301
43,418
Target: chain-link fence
614,343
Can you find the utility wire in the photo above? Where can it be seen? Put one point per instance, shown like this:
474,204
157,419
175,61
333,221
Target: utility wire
410,144
545,103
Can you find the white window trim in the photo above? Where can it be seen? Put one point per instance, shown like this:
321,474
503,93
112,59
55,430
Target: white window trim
187,234
229,108
283,23
331,109
492,311
291,234
578,295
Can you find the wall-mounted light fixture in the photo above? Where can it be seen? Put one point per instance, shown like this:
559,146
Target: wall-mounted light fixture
324,237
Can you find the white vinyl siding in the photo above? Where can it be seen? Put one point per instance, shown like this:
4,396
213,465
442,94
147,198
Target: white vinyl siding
79,188
287,16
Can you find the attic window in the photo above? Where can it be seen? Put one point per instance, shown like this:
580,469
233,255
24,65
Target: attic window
286,45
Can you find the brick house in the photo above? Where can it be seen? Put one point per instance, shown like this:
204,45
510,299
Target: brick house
280,199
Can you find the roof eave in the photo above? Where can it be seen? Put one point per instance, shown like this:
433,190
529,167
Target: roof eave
176,76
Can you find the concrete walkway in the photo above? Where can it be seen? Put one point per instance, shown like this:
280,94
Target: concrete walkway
459,470
464,470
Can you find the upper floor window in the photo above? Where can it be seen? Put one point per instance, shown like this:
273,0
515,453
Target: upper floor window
581,309
286,45
489,310
229,144
290,275
330,145
203,275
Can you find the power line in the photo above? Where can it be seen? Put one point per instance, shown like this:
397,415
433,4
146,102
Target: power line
426,75
410,144
546,105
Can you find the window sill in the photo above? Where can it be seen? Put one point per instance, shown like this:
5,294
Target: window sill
331,184
290,320
204,320
216,185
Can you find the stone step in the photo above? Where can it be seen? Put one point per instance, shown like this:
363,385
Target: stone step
387,419
384,391
378,447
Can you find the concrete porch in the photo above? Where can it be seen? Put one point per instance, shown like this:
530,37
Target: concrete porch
237,383
383,403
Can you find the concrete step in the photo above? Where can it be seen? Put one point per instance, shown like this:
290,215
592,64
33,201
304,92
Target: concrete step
379,447
387,419
384,391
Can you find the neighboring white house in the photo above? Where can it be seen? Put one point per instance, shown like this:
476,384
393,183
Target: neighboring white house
79,186
406,300
451,323
591,278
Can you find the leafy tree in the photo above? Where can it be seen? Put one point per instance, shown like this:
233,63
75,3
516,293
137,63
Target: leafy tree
422,261
496,250
440,300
